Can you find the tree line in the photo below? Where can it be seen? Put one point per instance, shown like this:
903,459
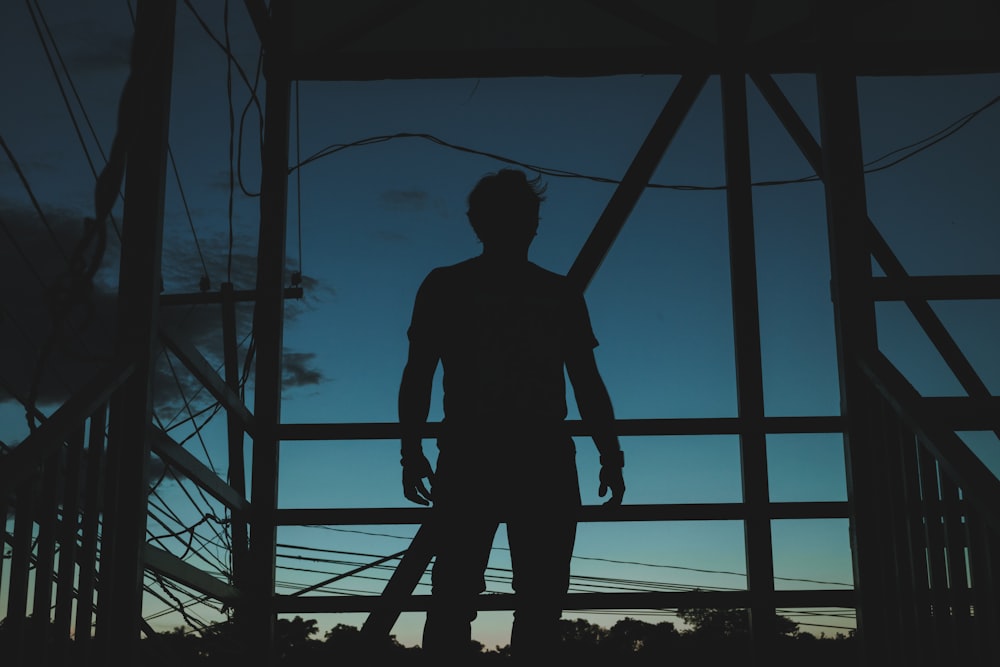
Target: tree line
711,636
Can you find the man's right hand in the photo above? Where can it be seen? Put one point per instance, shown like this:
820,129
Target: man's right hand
415,470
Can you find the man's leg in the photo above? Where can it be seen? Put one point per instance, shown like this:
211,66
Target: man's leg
541,552
541,533
457,578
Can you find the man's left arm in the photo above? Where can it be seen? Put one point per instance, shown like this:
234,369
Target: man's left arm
597,412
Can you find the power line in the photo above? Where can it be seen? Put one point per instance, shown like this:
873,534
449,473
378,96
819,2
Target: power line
65,98
908,151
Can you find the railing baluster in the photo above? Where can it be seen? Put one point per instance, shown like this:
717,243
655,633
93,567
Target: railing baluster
906,611
954,535
938,580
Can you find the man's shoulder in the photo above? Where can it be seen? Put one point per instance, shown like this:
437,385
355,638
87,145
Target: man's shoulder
541,273
450,272
552,281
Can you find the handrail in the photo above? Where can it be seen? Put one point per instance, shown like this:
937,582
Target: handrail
979,485
317,431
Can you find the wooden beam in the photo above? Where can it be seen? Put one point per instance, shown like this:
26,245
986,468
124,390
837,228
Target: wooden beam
183,461
636,178
962,413
377,516
833,598
575,427
901,58
170,566
905,288
203,371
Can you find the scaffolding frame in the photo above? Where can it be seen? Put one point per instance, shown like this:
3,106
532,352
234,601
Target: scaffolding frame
923,510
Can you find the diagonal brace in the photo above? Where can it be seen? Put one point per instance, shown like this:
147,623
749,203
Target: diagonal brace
631,187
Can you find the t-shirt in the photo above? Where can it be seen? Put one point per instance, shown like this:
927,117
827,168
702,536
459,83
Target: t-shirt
503,332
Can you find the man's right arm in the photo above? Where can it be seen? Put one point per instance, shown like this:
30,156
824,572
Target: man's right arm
598,414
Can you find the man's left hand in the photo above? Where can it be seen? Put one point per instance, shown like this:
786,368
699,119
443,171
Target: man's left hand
415,470
611,478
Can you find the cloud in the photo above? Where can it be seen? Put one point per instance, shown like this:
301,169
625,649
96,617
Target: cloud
102,53
410,201
392,237
299,370
53,357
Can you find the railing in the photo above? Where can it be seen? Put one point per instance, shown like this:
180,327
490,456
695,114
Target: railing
940,557
50,483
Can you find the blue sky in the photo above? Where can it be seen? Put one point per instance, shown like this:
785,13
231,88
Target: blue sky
372,220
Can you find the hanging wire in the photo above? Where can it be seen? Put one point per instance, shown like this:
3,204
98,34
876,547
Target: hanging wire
232,136
297,275
206,282
908,151
79,101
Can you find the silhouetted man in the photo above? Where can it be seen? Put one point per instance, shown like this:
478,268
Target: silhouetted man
504,330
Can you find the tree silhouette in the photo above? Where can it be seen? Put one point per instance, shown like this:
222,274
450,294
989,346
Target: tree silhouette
632,636
713,636
729,623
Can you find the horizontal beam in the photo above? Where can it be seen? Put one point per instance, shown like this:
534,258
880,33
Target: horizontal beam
182,460
170,566
884,58
624,427
784,599
203,298
961,413
936,287
376,516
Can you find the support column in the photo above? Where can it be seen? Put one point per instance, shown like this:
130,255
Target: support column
854,317
268,334
749,374
144,122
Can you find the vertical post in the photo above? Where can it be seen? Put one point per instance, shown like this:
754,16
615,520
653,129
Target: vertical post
268,333
237,476
45,557
20,565
905,547
67,547
123,538
854,317
749,374
937,565
733,18
88,534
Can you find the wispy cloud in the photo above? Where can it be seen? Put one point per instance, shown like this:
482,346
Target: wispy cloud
101,53
410,201
33,262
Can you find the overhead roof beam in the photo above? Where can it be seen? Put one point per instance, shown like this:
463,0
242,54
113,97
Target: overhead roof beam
376,17
651,22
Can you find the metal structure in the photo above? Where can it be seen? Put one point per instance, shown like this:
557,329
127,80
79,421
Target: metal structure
924,511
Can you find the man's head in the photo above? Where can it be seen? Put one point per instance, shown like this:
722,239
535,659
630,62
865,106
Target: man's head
503,209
